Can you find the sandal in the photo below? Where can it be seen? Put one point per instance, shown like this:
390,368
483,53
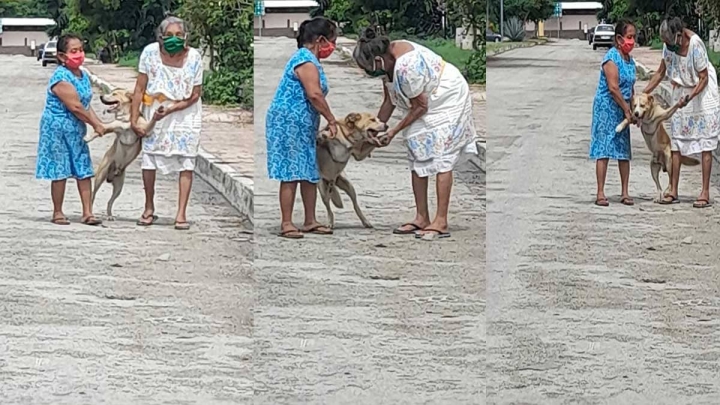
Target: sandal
91,220
414,228
143,218
291,234
602,202
60,221
672,200
627,201
432,234
319,229
702,203
182,226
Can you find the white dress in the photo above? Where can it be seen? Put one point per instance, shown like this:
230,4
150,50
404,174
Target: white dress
173,144
441,138
696,127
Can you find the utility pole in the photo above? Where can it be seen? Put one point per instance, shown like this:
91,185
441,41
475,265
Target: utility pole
502,18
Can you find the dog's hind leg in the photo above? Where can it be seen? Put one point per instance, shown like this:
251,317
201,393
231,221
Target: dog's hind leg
325,189
655,168
345,185
118,183
101,176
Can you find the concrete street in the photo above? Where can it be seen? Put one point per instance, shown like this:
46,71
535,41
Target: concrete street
364,316
589,305
115,314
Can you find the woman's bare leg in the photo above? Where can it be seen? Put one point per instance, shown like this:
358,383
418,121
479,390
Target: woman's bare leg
288,190
624,166
57,191
444,183
184,186
308,191
85,189
706,170
420,192
149,186
601,166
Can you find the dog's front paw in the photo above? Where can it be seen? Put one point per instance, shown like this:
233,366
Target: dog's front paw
110,218
620,127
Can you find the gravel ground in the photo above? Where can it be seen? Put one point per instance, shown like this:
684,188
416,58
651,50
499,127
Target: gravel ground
589,305
364,316
114,314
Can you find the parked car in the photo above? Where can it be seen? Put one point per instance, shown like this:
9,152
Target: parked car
39,51
490,36
590,34
49,54
604,36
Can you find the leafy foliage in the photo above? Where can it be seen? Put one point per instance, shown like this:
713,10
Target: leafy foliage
475,70
24,8
515,29
524,10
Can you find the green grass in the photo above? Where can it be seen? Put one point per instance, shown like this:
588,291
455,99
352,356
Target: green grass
129,60
447,49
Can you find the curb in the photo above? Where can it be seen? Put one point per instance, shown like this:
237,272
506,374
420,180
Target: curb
235,188
512,48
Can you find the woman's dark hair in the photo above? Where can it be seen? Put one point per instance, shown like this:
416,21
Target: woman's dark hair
312,29
64,40
369,46
621,28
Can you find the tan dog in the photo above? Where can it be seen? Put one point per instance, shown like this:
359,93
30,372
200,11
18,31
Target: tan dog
355,134
651,116
124,150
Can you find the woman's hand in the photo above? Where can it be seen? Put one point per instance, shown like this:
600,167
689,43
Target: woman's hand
332,127
100,129
139,131
163,112
684,101
384,140
629,116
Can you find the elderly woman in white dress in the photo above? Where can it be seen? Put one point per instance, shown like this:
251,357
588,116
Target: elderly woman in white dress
437,126
170,76
695,128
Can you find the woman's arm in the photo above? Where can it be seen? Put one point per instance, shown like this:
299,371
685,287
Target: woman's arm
418,108
613,80
387,108
657,78
69,96
140,86
310,79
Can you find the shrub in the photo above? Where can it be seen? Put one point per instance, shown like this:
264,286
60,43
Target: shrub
228,87
475,68
515,29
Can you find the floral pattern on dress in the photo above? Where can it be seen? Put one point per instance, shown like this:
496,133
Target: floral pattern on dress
178,134
292,124
696,127
62,153
605,143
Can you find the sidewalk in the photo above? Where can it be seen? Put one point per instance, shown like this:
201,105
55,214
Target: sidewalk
226,155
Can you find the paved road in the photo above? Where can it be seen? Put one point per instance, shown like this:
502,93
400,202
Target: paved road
114,314
586,304
365,317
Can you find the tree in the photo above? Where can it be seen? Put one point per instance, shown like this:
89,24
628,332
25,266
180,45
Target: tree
23,8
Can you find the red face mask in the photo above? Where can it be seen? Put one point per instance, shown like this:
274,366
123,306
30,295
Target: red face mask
627,46
75,60
326,50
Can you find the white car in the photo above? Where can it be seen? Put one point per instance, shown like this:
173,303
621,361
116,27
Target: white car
603,36
49,54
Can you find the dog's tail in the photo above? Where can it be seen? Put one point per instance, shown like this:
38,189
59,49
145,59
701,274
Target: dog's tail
334,195
688,161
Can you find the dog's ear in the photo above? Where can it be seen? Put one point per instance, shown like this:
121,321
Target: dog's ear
351,119
651,99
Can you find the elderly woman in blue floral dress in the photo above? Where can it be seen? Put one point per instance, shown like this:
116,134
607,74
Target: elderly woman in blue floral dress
612,106
293,121
62,152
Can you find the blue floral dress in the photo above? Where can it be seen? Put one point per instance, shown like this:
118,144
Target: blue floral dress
607,115
292,124
62,152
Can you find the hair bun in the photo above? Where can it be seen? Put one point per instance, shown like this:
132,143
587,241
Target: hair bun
369,34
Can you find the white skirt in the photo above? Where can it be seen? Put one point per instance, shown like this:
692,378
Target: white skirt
696,127
168,164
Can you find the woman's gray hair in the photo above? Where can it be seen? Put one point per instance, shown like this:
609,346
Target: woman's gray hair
670,28
368,47
171,21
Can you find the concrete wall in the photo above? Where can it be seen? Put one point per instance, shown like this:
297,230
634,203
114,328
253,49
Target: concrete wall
571,26
16,50
22,38
276,32
715,40
464,38
280,20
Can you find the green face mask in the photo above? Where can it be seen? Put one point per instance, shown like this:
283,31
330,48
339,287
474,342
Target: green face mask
173,44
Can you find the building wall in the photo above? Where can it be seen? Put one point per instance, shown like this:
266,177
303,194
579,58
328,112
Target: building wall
22,38
280,20
573,26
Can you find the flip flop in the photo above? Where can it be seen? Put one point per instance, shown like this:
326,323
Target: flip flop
316,230
627,201
91,220
182,226
431,236
291,234
415,228
603,202
702,203
672,200
60,221
143,217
